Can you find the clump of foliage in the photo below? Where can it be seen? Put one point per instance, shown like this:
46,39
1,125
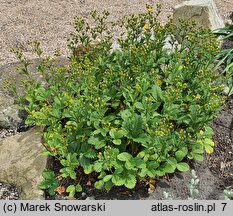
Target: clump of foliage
228,194
126,114
225,57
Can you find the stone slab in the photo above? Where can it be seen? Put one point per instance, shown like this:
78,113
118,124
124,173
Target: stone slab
22,164
203,12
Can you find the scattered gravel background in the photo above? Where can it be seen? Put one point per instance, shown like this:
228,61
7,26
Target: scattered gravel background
50,22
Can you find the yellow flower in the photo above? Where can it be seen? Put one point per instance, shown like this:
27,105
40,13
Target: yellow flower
146,26
159,82
149,9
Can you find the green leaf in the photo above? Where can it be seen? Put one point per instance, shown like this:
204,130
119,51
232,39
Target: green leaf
107,178
116,133
183,167
152,165
156,92
129,165
160,172
98,166
143,172
124,156
151,173
108,185
98,144
125,114
209,149
141,154
68,171
88,169
139,105
99,184
51,191
198,157
48,175
172,161
168,168
180,154
101,175
208,142
78,188
117,141
117,180
71,190
130,181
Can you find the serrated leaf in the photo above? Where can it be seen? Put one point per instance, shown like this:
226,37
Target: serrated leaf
183,167
48,175
98,144
117,180
151,173
130,181
143,172
129,165
98,166
101,175
51,191
124,156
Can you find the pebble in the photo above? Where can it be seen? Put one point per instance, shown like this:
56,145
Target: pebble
8,192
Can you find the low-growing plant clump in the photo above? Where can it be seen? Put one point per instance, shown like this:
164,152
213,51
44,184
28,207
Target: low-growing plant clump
225,57
125,115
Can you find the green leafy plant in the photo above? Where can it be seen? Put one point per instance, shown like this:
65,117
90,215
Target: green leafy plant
127,114
193,190
226,55
50,182
228,194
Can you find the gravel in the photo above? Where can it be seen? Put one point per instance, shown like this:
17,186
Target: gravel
8,192
51,21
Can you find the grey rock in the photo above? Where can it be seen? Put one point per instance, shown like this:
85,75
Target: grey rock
204,12
22,164
10,116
